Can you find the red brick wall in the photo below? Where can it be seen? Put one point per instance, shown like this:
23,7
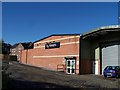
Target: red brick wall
63,50
77,65
50,58
98,66
23,56
56,38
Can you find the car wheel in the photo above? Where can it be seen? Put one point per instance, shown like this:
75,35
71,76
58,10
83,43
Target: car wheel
105,76
117,76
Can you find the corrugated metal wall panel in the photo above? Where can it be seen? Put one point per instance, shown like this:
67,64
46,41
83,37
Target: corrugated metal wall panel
119,55
109,56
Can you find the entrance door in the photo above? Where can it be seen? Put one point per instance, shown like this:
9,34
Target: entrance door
70,66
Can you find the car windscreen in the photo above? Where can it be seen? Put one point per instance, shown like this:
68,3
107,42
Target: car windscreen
110,68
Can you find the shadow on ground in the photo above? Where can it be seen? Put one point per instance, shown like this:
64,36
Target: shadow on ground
10,83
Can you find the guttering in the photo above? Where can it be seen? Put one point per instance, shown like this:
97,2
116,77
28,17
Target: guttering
103,29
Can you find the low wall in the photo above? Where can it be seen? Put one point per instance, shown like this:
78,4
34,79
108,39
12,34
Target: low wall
8,57
5,57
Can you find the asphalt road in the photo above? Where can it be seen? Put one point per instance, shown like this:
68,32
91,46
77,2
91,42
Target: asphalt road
23,76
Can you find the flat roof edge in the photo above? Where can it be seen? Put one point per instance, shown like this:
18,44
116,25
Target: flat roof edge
102,28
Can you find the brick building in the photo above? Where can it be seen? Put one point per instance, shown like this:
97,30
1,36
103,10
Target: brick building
16,48
54,52
88,53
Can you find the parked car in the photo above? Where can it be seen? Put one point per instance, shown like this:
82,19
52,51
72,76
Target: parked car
113,71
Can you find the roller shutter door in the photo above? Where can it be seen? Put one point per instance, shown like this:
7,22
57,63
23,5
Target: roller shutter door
109,55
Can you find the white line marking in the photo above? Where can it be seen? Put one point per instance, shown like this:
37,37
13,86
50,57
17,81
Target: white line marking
56,56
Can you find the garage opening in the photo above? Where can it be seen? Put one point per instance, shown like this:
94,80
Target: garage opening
110,54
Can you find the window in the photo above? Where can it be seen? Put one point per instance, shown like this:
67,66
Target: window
37,44
19,48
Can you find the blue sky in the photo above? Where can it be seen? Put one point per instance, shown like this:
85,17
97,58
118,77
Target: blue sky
24,22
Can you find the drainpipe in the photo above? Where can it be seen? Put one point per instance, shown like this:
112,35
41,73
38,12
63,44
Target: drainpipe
20,56
80,53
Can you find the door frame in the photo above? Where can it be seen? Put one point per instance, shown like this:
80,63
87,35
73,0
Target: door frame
71,63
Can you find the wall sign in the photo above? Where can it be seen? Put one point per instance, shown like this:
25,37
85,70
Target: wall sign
52,45
70,58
